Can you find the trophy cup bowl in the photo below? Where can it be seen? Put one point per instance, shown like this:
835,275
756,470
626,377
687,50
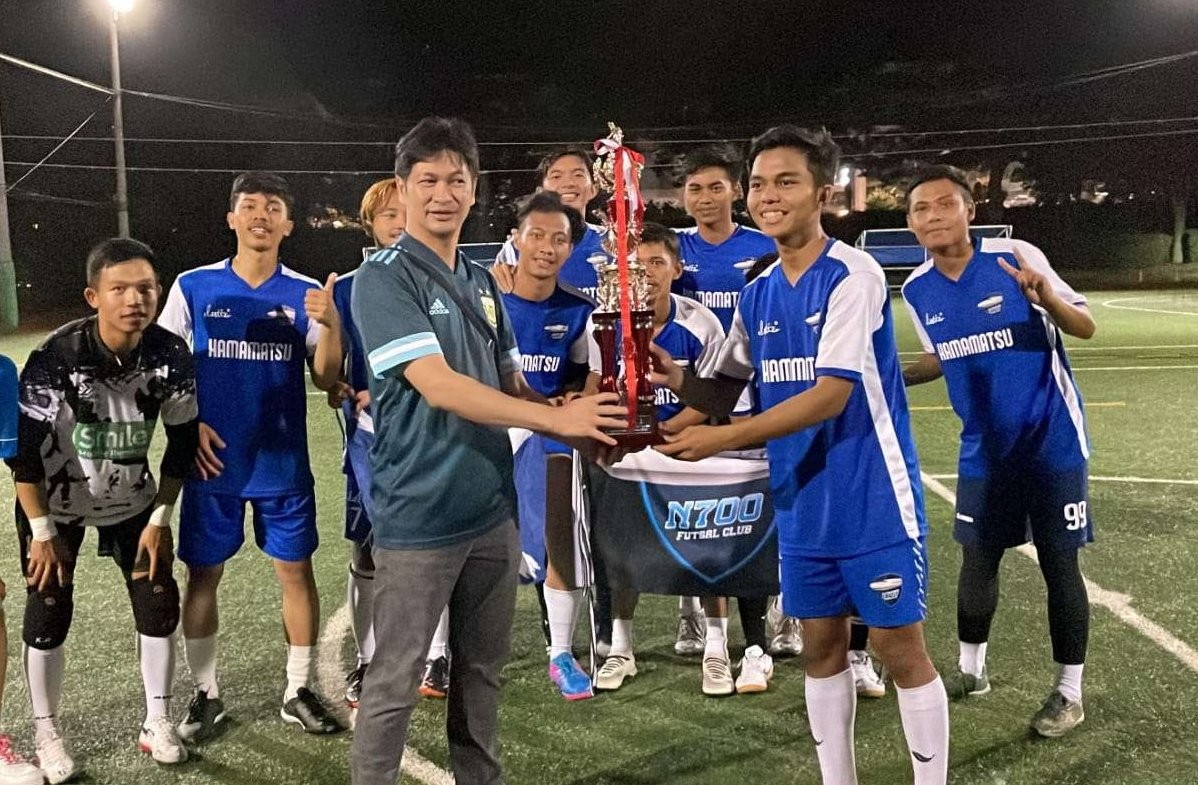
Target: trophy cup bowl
641,430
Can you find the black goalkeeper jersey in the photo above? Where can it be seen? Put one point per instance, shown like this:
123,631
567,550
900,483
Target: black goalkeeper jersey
87,417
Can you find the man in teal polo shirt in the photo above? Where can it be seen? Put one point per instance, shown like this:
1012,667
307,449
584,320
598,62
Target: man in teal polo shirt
445,383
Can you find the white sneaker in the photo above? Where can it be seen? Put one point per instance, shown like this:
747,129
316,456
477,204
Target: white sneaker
160,741
756,668
717,674
15,770
869,683
52,756
692,634
614,670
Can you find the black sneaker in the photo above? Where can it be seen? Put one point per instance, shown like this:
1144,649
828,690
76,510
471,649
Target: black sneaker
203,715
309,712
353,686
435,682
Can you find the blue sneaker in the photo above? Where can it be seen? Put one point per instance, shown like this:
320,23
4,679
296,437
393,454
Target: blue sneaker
569,678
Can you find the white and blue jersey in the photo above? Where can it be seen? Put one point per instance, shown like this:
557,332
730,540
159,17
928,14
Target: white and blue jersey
1003,361
579,270
552,336
710,273
251,346
850,484
693,337
357,372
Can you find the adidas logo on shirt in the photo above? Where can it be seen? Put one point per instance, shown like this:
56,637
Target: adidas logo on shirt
438,308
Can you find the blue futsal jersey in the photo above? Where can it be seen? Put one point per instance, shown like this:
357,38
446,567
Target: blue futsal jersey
579,268
848,485
709,272
693,337
551,336
250,346
1005,367
10,399
357,372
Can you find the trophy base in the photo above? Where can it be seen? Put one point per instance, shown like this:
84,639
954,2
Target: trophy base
643,434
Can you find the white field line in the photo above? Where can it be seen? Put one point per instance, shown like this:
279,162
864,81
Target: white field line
1089,405
1114,304
1116,603
1099,478
331,679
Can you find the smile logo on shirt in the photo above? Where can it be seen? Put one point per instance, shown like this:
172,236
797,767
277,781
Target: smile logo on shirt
992,304
556,331
889,587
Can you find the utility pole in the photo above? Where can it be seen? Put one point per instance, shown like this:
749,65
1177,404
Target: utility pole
8,270
118,129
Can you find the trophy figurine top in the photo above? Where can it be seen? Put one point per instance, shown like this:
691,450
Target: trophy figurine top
623,291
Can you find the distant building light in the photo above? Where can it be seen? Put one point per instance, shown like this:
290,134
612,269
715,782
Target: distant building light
843,175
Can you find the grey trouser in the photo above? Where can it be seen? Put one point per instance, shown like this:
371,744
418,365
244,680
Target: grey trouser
477,579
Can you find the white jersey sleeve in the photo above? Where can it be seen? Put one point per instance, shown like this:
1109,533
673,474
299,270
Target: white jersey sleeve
924,340
580,350
176,315
1035,260
594,361
854,313
734,359
507,254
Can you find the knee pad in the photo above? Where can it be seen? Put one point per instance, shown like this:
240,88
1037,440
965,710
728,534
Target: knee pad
48,616
155,605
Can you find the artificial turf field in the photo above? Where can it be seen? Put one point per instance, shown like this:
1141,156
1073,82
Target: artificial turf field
1139,377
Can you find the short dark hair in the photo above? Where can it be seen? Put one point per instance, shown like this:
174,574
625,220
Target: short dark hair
758,266
550,202
267,183
715,156
656,233
926,174
818,146
433,136
114,251
564,152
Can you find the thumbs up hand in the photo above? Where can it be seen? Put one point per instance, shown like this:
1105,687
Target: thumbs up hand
319,305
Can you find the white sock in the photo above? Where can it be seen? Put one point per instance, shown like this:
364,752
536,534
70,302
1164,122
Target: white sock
561,607
157,656
972,658
689,606
925,724
439,646
44,671
299,664
831,712
361,604
201,661
717,636
621,637
1070,682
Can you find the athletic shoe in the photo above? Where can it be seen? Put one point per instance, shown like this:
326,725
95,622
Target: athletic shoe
353,685
692,634
15,770
53,758
570,679
308,711
1057,716
203,715
960,685
788,638
435,681
614,670
160,741
717,674
756,668
869,683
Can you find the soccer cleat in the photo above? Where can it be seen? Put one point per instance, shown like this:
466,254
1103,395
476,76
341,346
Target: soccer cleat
614,670
1057,716
15,770
435,681
203,715
308,711
717,674
53,758
756,668
353,685
159,740
570,680
869,683
960,685
692,634
788,638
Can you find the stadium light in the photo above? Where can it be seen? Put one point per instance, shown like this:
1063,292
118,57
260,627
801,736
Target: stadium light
121,6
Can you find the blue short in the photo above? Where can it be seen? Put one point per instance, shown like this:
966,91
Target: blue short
212,526
886,587
1008,509
359,504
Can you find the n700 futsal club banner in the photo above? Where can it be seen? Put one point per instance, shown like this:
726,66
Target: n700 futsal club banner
663,526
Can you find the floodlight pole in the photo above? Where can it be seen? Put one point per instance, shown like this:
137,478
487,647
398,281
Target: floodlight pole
8,270
118,130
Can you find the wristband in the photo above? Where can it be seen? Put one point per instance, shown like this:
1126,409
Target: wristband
42,529
161,516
